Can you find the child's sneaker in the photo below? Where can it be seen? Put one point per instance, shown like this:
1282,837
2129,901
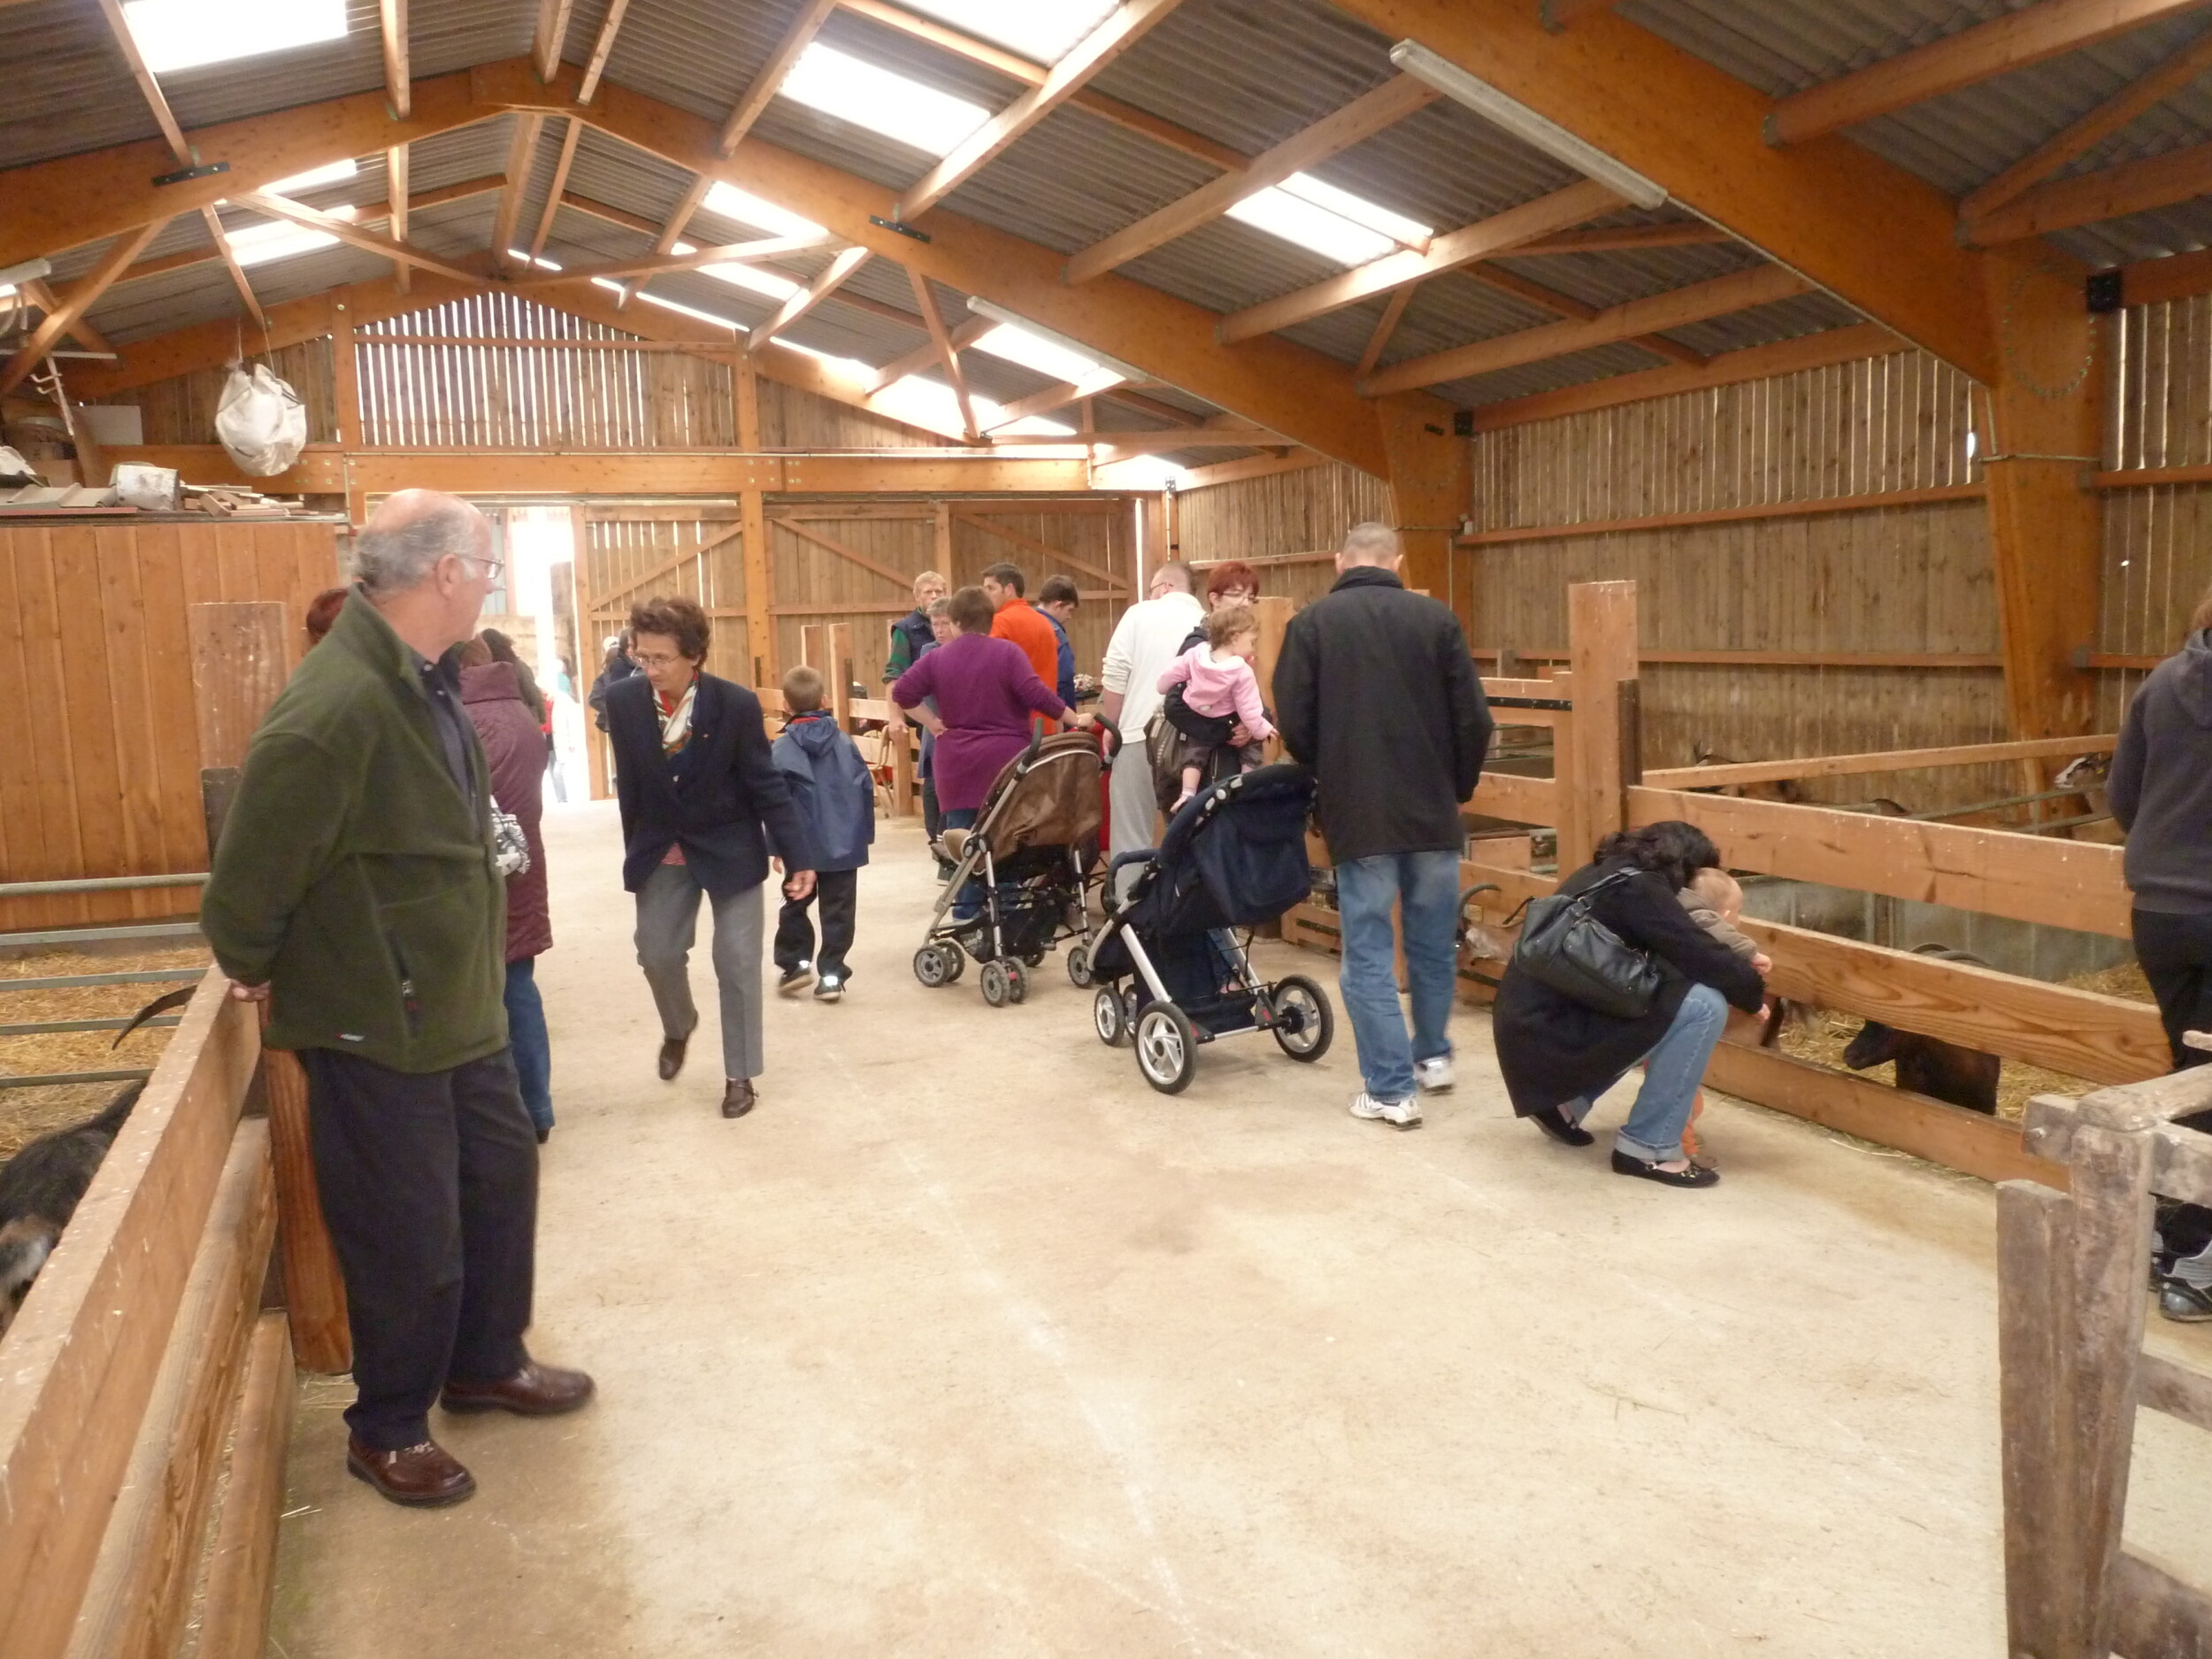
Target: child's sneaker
1434,1075
795,978
1399,1114
828,988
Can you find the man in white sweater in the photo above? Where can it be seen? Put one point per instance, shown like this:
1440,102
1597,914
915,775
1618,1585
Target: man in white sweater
1150,636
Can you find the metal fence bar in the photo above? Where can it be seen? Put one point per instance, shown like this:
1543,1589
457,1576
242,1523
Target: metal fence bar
72,981
100,884
44,1027
77,935
53,1078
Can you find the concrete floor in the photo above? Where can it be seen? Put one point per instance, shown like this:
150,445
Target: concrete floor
968,1343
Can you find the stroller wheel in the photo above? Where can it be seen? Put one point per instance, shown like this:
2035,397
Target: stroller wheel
935,965
1079,967
1034,959
1167,1047
1017,982
997,991
1108,1018
1304,1022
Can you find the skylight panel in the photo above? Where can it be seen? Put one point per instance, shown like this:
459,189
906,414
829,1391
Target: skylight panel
1030,426
523,255
276,239
744,276
852,366
314,178
682,309
1042,29
868,95
743,207
1358,209
1309,225
175,35
1034,352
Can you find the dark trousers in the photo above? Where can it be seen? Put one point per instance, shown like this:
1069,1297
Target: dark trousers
430,1184
529,1041
2176,952
837,891
932,815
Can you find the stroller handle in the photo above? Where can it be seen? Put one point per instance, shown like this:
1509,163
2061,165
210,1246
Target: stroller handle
1113,736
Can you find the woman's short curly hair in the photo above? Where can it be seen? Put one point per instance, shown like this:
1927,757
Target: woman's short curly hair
678,618
1235,574
1670,848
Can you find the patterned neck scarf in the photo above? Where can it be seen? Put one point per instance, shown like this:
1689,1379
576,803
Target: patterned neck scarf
676,718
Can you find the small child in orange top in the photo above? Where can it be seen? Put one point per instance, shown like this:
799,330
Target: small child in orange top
1714,902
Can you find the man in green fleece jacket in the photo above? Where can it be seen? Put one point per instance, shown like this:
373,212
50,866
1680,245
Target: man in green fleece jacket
355,888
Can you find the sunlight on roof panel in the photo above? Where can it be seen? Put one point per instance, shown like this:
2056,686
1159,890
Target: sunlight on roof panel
276,239
852,366
1324,219
523,255
1032,351
1360,210
924,400
727,201
1042,29
744,276
336,172
175,35
682,309
867,95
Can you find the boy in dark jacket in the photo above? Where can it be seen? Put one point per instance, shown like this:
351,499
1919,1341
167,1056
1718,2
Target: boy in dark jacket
835,795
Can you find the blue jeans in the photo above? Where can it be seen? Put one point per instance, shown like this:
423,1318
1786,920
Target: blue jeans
1426,885
1673,1072
527,1035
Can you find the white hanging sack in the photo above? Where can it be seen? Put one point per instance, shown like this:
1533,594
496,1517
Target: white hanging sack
261,421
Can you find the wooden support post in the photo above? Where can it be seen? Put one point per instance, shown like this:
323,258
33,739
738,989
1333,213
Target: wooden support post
900,739
1602,647
1568,803
345,383
943,545
760,596
2035,1346
1275,613
239,658
1431,489
837,667
1155,546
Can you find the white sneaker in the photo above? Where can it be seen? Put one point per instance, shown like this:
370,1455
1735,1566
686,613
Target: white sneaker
1399,1114
1434,1076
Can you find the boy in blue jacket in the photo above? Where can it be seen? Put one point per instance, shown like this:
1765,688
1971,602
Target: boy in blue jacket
834,793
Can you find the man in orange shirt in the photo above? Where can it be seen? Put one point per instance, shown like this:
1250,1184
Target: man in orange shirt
1022,623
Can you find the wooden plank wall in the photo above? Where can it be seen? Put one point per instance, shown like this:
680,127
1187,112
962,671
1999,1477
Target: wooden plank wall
2158,538
101,775
182,410
1286,527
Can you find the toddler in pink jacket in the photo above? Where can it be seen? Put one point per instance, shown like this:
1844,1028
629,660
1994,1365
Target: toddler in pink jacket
1218,682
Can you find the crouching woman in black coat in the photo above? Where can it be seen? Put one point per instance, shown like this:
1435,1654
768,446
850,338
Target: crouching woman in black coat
1559,1056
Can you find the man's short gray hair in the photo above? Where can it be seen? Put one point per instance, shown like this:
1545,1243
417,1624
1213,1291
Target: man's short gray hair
392,560
1371,543
1177,575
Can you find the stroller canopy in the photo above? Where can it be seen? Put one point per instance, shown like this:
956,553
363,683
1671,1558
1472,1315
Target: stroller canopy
1236,855
1046,796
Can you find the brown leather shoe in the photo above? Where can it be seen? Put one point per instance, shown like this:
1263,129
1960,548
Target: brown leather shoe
535,1391
738,1098
672,1055
421,1477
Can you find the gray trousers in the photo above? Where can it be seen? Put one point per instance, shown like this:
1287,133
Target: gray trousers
1135,808
667,922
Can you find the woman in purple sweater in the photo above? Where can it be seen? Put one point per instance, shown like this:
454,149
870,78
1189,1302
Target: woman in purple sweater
985,691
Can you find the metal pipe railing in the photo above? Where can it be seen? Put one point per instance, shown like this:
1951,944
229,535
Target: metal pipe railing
100,884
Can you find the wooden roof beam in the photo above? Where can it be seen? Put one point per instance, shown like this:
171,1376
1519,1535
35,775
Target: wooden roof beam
947,353
1155,442
1740,291
1121,29
839,271
1625,90
1174,415
654,264
2080,136
772,73
963,335
2133,187
1358,121
1017,68
520,154
82,332
392,24
1387,325
346,231
1558,14
1982,52
1055,397
395,164
602,49
569,140
1578,311
551,36
83,296
1500,232
1682,234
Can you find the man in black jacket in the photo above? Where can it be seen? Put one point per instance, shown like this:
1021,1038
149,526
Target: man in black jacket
1376,692
700,795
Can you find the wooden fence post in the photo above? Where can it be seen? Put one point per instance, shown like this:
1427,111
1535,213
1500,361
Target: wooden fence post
837,667
238,667
1601,653
2035,1346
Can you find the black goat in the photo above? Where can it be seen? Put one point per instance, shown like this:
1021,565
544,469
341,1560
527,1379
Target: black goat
1927,1065
39,1187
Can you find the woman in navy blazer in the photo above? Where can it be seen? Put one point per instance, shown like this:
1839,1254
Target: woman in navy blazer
700,793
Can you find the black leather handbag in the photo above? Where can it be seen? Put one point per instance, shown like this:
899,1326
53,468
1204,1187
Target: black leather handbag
1562,945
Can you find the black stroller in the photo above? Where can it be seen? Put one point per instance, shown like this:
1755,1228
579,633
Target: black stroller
1033,850
1172,973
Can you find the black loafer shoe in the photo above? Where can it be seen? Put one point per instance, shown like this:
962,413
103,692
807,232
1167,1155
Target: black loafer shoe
738,1097
1694,1176
2184,1303
1554,1122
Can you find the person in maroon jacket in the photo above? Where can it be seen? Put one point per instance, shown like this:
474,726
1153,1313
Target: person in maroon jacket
515,747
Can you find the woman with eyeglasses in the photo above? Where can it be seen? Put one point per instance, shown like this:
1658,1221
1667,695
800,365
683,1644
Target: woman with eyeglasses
700,796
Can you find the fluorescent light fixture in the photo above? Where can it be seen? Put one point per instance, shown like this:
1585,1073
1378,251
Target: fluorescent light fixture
1034,351
1037,331
276,239
523,255
868,95
744,276
1370,215
336,172
1042,29
28,271
1525,123
175,35
682,309
727,201
1316,229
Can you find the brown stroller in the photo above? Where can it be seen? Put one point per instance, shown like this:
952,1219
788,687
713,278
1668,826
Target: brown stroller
1021,877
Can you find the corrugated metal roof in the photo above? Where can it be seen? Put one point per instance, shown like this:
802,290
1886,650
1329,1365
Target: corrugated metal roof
1600,362
68,89
1785,319
697,56
1075,179
608,170
175,299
